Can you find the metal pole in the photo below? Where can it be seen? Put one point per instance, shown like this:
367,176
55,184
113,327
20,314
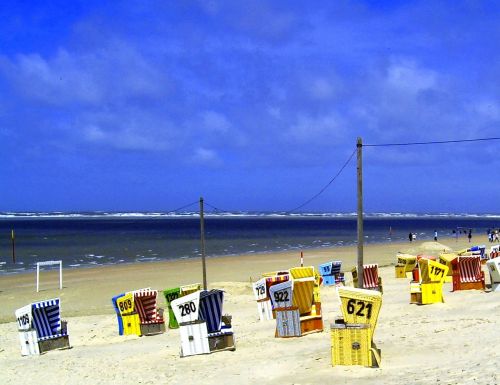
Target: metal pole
202,239
359,146
13,238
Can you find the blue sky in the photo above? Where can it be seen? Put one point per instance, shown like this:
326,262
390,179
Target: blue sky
146,105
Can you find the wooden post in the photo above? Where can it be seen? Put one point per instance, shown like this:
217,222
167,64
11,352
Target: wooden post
359,146
301,259
202,239
13,239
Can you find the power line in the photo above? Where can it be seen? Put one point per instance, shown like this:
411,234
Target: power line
326,186
431,142
183,207
214,208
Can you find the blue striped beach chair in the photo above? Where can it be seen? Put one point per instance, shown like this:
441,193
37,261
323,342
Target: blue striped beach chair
203,327
41,328
331,273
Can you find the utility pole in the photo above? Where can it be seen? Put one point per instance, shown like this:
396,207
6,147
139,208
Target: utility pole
359,146
202,239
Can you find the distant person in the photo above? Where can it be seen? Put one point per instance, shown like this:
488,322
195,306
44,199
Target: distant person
410,237
435,235
495,238
469,235
414,236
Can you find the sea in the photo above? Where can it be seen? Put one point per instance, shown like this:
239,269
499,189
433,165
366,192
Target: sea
87,239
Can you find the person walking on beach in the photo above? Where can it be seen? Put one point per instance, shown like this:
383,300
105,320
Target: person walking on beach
435,235
410,237
469,235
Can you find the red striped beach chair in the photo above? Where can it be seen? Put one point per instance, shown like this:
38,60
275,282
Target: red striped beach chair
467,273
150,316
371,279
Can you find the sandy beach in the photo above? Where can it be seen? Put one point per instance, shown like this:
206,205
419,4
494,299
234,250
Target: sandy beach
451,343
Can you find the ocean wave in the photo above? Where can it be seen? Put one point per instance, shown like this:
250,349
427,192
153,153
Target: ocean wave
235,214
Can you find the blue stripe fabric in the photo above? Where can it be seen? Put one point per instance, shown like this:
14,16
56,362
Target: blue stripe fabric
47,318
211,309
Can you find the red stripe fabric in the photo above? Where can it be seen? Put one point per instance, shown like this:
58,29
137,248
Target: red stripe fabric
370,276
470,269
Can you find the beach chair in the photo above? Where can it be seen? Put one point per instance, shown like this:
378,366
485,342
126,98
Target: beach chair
41,328
150,315
352,336
331,274
446,259
430,287
467,274
287,315
371,280
405,265
308,272
174,293
494,269
171,295
495,251
308,305
275,280
139,313
264,307
203,328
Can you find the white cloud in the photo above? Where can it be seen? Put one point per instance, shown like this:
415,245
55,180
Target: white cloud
320,130
407,77
205,156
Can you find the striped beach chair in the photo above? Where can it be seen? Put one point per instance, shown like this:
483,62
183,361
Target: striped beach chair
203,327
371,279
138,313
41,328
495,251
331,274
308,272
308,304
150,316
494,270
467,273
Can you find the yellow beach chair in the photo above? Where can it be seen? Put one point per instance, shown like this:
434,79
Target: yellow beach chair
352,337
447,259
305,300
430,288
308,272
406,264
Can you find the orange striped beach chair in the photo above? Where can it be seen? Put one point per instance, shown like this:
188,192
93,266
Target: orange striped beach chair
467,273
371,279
